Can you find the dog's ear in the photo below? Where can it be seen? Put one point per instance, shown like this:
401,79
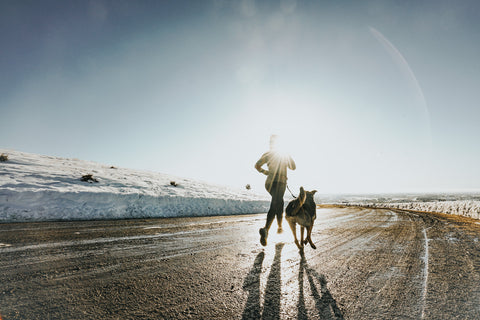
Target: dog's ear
302,196
302,192
313,192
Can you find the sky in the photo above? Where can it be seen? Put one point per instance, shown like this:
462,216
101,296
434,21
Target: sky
367,96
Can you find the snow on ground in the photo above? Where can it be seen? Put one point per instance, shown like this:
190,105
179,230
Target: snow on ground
39,188
464,204
467,208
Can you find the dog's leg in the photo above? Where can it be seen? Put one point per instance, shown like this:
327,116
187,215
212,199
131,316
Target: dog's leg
309,237
293,226
302,230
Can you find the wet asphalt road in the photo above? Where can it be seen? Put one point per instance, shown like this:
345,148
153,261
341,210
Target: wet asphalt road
369,264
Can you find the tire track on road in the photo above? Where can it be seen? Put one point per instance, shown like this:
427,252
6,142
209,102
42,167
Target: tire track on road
425,272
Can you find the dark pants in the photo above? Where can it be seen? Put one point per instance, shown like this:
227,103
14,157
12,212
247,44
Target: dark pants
276,190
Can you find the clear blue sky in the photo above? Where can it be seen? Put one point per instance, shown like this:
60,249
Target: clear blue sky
369,96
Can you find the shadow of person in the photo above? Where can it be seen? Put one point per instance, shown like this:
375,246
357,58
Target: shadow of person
273,291
324,302
252,285
301,309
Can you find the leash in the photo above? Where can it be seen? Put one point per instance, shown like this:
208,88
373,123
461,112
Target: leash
291,192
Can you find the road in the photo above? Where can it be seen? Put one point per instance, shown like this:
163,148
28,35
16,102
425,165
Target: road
369,264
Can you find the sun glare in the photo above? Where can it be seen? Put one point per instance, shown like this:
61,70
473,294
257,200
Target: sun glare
284,237
284,146
290,251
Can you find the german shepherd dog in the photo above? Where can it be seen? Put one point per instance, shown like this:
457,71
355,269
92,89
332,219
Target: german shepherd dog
302,210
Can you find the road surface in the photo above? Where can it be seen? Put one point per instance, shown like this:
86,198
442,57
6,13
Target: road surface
369,264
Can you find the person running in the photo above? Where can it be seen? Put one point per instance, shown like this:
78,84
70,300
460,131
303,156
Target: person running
275,184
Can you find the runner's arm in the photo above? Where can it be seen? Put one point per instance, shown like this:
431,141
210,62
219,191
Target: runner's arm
260,163
291,164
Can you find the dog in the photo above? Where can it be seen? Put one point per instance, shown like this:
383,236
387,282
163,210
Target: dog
302,210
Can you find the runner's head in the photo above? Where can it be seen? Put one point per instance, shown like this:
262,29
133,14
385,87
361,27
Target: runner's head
273,141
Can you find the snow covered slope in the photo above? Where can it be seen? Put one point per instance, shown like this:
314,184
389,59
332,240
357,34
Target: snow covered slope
466,208
39,188
465,204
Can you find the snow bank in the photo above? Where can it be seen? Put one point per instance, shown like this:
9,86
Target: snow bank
464,204
460,207
39,188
